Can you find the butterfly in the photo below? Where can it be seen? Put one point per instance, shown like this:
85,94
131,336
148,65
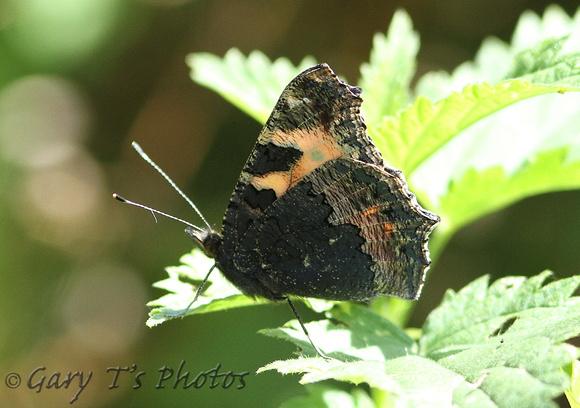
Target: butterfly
316,212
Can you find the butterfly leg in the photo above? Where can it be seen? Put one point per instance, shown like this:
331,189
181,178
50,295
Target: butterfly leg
203,282
318,351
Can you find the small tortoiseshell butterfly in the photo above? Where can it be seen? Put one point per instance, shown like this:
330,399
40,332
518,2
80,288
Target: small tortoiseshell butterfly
316,212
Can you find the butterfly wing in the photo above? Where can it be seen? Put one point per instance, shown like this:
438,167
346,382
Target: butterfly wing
347,231
315,120
296,223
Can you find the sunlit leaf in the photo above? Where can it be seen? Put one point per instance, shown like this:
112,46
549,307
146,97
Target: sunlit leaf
573,393
252,83
495,58
499,345
320,396
218,293
418,132
386,77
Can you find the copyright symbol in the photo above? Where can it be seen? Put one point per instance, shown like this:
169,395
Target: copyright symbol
12,380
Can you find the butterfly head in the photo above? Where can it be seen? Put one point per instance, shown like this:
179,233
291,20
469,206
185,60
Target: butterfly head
209,240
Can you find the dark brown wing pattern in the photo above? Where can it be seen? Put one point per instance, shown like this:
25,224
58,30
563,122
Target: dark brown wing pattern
316,212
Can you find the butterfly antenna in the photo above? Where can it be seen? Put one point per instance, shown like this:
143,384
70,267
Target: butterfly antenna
145,157
154,211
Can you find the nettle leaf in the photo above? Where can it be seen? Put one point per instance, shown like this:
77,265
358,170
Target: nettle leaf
424,128
499,345
544,55
478,193
361,326
410,380
326,397
252,83
528,148
507,337
495,58
218,294
573,393
544,65
483,135
474,314
375,352
475,151
386,77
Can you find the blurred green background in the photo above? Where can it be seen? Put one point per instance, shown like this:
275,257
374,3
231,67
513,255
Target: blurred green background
81,79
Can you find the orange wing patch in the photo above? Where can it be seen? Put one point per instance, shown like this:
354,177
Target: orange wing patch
387,228
318,147
371,211
277,181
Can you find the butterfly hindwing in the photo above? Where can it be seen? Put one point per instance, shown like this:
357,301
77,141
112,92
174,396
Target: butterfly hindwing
346,231
293,249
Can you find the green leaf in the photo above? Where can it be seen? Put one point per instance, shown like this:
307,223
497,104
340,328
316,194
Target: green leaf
507,337
555,23
418,132
479,193
410,380
386,77
573,393
253,83
478,150
544,65
218,293
364,334
528,148
491,346
543,56
472,314
326,397
495,58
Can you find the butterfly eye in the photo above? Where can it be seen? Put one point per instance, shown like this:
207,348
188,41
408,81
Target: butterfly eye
207,240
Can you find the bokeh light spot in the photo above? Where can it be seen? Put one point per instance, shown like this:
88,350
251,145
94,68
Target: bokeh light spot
61,32
42,119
